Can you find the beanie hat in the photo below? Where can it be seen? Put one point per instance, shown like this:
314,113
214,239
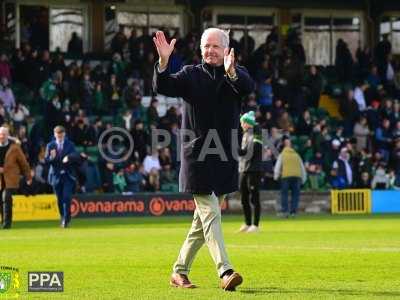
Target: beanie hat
249,118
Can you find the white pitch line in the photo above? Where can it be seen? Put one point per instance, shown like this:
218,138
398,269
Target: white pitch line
362,249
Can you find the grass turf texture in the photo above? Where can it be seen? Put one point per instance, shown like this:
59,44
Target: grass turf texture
310,257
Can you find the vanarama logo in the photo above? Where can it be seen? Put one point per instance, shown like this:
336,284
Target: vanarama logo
159,206
99,206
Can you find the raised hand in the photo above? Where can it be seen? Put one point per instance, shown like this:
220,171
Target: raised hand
229,61
163,48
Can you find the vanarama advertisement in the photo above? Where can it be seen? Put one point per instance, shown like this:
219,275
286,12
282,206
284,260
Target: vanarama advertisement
133,205
44,207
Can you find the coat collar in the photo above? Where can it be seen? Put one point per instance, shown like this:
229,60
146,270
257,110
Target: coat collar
212,71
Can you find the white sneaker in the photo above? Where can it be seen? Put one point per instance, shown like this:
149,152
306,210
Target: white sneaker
244,228
253,228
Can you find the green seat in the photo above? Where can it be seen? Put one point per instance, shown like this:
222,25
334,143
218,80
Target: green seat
80,149
107,119
92,150
170,187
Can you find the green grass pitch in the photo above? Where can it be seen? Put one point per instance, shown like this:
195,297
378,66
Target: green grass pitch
310,257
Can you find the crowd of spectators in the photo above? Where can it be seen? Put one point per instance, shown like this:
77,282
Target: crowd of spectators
40,90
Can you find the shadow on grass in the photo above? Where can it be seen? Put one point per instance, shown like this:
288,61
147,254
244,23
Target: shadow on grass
341,292
107,222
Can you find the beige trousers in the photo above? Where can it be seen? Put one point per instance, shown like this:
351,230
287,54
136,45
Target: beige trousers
206,228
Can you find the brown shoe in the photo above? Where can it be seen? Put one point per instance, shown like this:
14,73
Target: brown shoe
230,282
181,280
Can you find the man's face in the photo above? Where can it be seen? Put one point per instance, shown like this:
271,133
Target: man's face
59,135
3,136
245,126
212,49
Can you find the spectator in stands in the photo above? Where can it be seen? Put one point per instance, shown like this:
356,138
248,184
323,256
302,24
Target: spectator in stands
382,51
134,179
381,179
361,133
336,181
364,182
5,69
384,138
290,169
394,180
348,108
373,79
118,68
395,157
44,67
153,180
304,124
396,79
314,87
51,87
168,177
58,63
106,170
75,45
267,177
12,164
87,92
316,176
6,95
119,181
99,99
19,114
364,60
152,113
147,69
113,94
165,156
141,138
151,161
119,41
343,62
343,167
285,123
359,95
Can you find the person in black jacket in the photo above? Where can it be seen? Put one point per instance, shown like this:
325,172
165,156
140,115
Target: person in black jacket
212,92
250,171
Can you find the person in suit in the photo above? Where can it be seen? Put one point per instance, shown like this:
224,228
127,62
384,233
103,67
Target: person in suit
12,163
62,157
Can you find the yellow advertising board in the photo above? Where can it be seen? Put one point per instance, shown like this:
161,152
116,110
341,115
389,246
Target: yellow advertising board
40,207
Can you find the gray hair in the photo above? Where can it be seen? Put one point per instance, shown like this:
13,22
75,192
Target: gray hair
5,130
223,34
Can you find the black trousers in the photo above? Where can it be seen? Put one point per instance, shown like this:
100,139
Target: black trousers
6,206
250,192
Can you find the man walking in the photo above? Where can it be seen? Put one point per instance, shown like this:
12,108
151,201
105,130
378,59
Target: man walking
12,164
290,168
61,155
212,93
250,171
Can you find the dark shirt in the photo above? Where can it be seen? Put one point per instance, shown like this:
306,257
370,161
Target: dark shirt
3,151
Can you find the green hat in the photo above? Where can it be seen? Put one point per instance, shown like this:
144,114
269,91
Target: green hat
249,118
